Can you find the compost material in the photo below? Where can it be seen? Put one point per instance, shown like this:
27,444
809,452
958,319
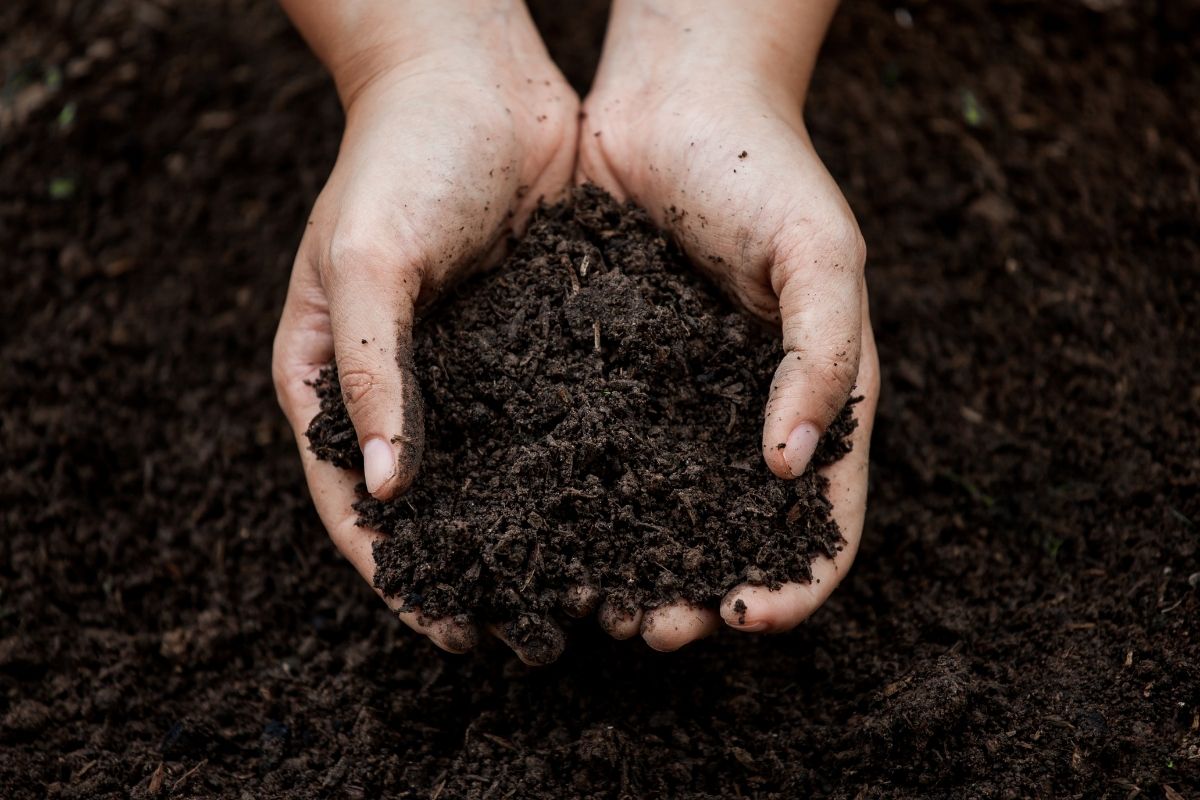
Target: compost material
594,418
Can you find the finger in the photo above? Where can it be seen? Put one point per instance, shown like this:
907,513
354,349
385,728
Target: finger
619,624
758,609
580,600
303,345
669,628
536,641
333,492
371,307
820,287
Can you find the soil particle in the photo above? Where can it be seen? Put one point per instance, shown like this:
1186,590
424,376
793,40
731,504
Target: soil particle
594,415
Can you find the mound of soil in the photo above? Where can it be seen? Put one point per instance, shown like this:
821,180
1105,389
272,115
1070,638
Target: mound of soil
593,417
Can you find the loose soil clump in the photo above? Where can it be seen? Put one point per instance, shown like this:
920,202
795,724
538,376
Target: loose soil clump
594,417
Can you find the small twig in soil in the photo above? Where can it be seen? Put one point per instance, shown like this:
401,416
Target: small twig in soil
188,774
575,285
500,740
1179,515
537,553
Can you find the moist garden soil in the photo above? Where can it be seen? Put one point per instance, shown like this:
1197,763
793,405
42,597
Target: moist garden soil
1021,620
594,419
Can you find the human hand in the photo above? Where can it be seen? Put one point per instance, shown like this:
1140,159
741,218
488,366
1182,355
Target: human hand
696,114
457,123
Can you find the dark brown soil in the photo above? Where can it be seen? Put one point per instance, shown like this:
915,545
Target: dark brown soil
594,415
1021,620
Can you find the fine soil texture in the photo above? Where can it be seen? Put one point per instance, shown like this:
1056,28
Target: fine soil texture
594,419
1021,620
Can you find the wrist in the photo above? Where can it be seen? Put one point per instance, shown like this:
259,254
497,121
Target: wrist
771,46
361,41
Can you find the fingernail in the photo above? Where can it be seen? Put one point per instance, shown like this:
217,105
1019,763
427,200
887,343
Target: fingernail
801,445
739,623
379,463
739,619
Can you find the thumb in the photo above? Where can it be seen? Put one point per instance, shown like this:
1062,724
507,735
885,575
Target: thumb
820,290
371,309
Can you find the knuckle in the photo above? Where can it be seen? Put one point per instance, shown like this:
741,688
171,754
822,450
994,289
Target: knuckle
840,380
821,382
361,385
357,254
359,258
833,383
841,243
834,370
835,243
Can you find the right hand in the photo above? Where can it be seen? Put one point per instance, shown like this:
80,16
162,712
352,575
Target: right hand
446,151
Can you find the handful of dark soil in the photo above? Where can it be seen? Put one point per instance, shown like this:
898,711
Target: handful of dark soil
594,413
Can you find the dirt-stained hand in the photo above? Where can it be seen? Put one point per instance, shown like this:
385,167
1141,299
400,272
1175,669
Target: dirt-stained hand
448,147
715,147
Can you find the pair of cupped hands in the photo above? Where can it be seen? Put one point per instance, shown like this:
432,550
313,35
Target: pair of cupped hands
455,130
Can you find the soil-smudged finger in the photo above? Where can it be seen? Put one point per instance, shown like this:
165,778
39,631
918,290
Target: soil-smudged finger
580,600
454,635
619,624
536,640
669,628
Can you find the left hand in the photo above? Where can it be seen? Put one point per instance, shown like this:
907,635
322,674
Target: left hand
720,157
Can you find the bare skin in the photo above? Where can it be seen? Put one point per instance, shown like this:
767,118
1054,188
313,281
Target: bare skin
457,123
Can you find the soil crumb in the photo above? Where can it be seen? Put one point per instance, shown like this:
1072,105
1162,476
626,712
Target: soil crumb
594,418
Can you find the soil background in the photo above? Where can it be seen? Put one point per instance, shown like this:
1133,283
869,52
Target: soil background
1022,620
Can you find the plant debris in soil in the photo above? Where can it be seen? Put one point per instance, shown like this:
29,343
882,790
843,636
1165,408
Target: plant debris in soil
594,418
